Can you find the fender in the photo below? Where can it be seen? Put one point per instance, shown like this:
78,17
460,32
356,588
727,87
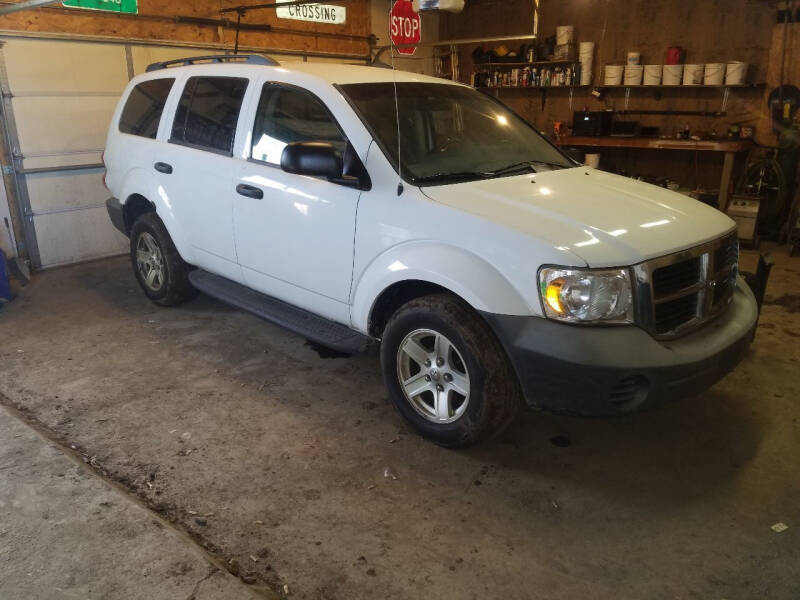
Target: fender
457,270
140,181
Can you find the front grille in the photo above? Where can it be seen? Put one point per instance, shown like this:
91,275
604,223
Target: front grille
680,292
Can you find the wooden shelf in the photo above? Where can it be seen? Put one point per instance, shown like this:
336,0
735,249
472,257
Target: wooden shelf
721,145
532,87
685,87
511,65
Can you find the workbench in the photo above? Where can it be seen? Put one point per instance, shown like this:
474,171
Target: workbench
729,147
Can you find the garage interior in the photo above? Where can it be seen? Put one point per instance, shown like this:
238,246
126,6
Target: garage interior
200,452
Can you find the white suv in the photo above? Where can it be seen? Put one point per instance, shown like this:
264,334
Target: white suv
356,205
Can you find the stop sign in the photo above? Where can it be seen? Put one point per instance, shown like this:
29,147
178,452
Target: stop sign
405,25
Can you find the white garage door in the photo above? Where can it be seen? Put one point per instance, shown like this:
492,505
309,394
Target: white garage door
63,94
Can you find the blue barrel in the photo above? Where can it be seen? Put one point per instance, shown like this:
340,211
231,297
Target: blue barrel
5,286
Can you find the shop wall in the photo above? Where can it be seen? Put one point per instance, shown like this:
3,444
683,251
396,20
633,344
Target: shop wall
709,31
156,20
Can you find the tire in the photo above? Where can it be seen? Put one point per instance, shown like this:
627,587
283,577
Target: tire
160,270
475,362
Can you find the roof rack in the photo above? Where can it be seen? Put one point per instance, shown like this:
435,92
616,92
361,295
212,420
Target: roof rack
251,59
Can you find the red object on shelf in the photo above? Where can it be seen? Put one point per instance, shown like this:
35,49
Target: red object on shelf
675,55
405,26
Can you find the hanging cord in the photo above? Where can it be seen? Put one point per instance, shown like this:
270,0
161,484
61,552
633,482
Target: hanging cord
396,104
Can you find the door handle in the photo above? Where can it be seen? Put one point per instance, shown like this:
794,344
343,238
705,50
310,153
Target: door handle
250,191
163,167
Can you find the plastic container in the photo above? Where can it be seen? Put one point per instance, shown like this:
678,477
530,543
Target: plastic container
634,58
714,74
652,74
693,74
565,34
613,74
633,74
735,73
672,74
586,73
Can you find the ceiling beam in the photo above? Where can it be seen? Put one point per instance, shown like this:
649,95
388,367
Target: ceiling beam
26,5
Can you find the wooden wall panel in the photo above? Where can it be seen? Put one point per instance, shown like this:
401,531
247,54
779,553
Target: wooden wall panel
709,31
156,21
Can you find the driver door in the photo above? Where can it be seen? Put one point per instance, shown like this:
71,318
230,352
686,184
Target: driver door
295,233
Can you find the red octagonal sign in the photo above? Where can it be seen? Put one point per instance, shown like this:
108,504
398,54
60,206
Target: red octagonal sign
405,25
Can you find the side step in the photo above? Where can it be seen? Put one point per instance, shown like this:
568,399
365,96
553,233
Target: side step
311,326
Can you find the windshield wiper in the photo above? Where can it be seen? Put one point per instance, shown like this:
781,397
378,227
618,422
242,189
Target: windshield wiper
459,175
520,166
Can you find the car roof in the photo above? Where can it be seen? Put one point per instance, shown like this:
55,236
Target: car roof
332,73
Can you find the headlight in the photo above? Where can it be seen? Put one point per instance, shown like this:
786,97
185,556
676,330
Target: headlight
586,296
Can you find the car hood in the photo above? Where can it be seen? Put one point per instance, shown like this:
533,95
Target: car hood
606,220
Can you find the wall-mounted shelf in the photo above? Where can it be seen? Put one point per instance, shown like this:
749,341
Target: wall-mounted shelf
532,87
511,65
685,87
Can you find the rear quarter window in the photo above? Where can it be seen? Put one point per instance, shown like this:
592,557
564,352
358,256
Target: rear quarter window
142,112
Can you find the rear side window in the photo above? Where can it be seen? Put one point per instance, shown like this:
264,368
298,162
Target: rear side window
142,112
208,112
288,114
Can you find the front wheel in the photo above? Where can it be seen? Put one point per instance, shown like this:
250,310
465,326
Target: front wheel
447,373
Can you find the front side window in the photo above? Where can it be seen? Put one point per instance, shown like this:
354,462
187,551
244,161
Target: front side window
288,114
142,112
449,133
208,112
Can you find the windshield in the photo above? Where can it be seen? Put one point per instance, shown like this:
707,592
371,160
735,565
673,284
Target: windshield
450,133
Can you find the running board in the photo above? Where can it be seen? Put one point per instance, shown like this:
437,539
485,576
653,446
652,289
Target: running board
311,326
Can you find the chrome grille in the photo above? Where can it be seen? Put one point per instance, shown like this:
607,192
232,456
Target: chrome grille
677,293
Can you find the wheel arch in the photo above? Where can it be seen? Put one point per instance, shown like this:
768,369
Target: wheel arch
141,193
408,271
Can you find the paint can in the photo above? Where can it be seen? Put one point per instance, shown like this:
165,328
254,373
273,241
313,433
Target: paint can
652,74
714,74
565,34
672,74
613,74
634,58
693,74
735,73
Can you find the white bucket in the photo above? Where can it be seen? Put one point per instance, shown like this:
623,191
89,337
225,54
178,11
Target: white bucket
672,74
565,34
652,74
613,74
634,58
592,160
736,73
586,48
633,74
586,72
714,74
693,74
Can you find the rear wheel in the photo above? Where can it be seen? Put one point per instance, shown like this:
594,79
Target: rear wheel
447,373
160,270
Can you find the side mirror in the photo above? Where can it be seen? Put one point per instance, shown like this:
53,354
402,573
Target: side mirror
312,158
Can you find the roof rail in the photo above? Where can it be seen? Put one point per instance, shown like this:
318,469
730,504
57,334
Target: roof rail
252,59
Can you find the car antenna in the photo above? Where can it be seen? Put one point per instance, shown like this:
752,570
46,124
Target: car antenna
396,104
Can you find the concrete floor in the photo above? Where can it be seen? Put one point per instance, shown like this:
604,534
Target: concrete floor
273,459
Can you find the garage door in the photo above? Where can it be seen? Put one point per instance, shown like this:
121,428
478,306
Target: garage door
62,96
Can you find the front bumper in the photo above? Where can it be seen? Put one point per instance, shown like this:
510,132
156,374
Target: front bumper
611,370
115,213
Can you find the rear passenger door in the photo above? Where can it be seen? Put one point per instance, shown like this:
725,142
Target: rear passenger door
295,239
196,169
